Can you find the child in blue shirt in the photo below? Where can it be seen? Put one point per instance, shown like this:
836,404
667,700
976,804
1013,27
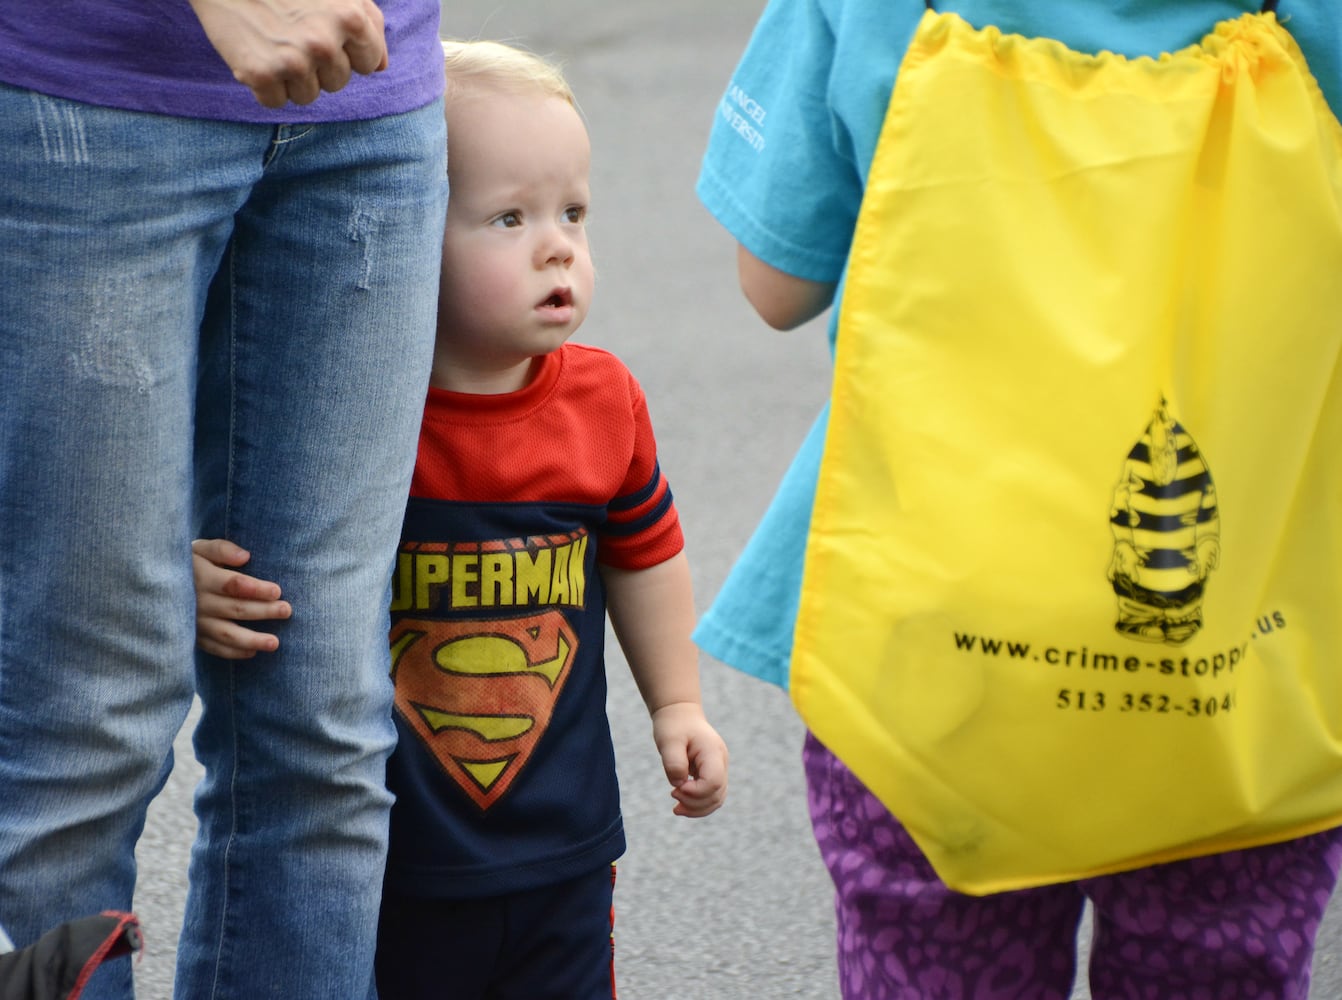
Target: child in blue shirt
787,165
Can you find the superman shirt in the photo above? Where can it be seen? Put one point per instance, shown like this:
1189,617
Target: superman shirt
504,773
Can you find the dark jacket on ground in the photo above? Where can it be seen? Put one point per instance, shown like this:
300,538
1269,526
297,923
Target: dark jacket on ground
58,965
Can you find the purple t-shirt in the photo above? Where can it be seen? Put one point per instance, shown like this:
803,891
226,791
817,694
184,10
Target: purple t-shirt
152,55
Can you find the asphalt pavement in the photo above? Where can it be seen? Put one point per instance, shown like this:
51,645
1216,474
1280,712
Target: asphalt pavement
735,906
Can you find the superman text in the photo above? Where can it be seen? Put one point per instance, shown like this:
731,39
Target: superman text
545,571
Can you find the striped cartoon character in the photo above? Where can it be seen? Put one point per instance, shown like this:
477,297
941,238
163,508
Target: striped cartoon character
1166,534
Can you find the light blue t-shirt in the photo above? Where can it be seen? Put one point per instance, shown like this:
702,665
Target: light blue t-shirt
786,166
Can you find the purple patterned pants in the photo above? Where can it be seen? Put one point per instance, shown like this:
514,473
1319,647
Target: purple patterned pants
1223,927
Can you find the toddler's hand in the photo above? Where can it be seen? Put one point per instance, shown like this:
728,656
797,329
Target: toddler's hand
225,597
694,757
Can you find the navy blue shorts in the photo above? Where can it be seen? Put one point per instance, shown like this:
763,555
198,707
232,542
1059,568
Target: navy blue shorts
553,943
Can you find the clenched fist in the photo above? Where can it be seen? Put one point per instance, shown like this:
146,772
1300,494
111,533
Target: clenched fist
292,50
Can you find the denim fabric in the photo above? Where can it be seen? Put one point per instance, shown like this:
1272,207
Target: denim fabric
298,267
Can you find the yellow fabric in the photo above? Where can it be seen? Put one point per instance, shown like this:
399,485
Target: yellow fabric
1086,403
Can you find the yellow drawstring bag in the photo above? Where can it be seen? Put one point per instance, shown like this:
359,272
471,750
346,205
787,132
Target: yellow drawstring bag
1072,592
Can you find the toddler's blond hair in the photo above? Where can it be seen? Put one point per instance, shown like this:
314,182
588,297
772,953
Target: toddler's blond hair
473,64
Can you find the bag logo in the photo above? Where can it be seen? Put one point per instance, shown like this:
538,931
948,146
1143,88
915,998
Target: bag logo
1167,534
480,694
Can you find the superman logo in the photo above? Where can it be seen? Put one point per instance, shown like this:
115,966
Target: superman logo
480,694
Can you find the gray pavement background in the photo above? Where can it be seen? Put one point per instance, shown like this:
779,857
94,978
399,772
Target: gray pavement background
736,906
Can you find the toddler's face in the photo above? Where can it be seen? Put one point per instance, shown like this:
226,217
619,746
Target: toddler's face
517,273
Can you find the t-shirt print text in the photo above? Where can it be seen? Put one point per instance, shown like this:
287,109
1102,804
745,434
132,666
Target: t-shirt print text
745,115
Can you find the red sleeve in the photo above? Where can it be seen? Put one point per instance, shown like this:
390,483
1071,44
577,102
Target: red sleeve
642,527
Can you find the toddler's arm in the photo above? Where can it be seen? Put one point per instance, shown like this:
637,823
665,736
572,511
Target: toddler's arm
225,597
652,611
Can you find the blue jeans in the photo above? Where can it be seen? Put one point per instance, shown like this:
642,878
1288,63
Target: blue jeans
206,328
